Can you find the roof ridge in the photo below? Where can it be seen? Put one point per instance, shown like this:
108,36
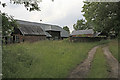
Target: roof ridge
37,23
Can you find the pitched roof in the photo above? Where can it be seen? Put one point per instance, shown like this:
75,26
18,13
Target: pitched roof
78,32
27,29
46,27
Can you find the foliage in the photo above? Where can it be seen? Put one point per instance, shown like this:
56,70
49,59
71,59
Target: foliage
30,5
99,66
8,24
80,25
66,28
103,17
44,59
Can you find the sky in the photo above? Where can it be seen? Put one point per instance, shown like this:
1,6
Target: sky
59,12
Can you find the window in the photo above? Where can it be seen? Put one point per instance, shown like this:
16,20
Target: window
16,38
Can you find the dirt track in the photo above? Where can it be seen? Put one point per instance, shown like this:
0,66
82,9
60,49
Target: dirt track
82,69
113,63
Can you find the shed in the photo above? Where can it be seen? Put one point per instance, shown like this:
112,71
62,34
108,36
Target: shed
28,32
85,36
83,33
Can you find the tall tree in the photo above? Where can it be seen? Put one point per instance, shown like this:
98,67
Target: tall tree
66,28
104,17
80,25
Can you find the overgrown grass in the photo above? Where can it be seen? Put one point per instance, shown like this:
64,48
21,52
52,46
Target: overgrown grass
113,46
99,66
44,59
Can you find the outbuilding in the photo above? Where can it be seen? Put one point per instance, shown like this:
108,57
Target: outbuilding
54,32
32,31
27,32
85,36
83,33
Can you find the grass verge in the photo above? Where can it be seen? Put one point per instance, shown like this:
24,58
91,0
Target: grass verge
113,47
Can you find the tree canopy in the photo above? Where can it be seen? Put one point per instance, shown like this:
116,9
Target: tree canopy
66,28
103,17
80,25
8,24
30,5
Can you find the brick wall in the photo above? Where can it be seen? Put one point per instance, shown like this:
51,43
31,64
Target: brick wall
34,38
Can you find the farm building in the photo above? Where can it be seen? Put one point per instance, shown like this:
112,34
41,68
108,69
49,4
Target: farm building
85,36
27,32
32,31
83,33
55,31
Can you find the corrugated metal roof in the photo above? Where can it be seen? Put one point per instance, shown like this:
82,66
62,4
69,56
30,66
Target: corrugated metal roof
78,32
27,29
46,27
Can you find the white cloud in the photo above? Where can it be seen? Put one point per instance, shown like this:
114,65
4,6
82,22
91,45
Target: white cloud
60,12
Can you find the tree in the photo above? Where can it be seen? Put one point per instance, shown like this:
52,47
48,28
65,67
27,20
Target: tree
80,25
104,17
66,28
8,24
30,5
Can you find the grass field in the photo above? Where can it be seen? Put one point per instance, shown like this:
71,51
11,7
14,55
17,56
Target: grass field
99,66
44,59
113,46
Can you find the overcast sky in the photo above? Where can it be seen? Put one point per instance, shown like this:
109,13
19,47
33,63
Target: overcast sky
59,12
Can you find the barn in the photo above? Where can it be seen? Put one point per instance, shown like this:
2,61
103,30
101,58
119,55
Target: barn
83,33
54,32
85,36
27,32
32,31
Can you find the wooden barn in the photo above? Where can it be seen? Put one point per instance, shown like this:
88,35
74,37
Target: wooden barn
83,33
53,32
26,32
32,31
85,36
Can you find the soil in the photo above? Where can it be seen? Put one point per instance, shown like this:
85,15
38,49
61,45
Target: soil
113,63
83,68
